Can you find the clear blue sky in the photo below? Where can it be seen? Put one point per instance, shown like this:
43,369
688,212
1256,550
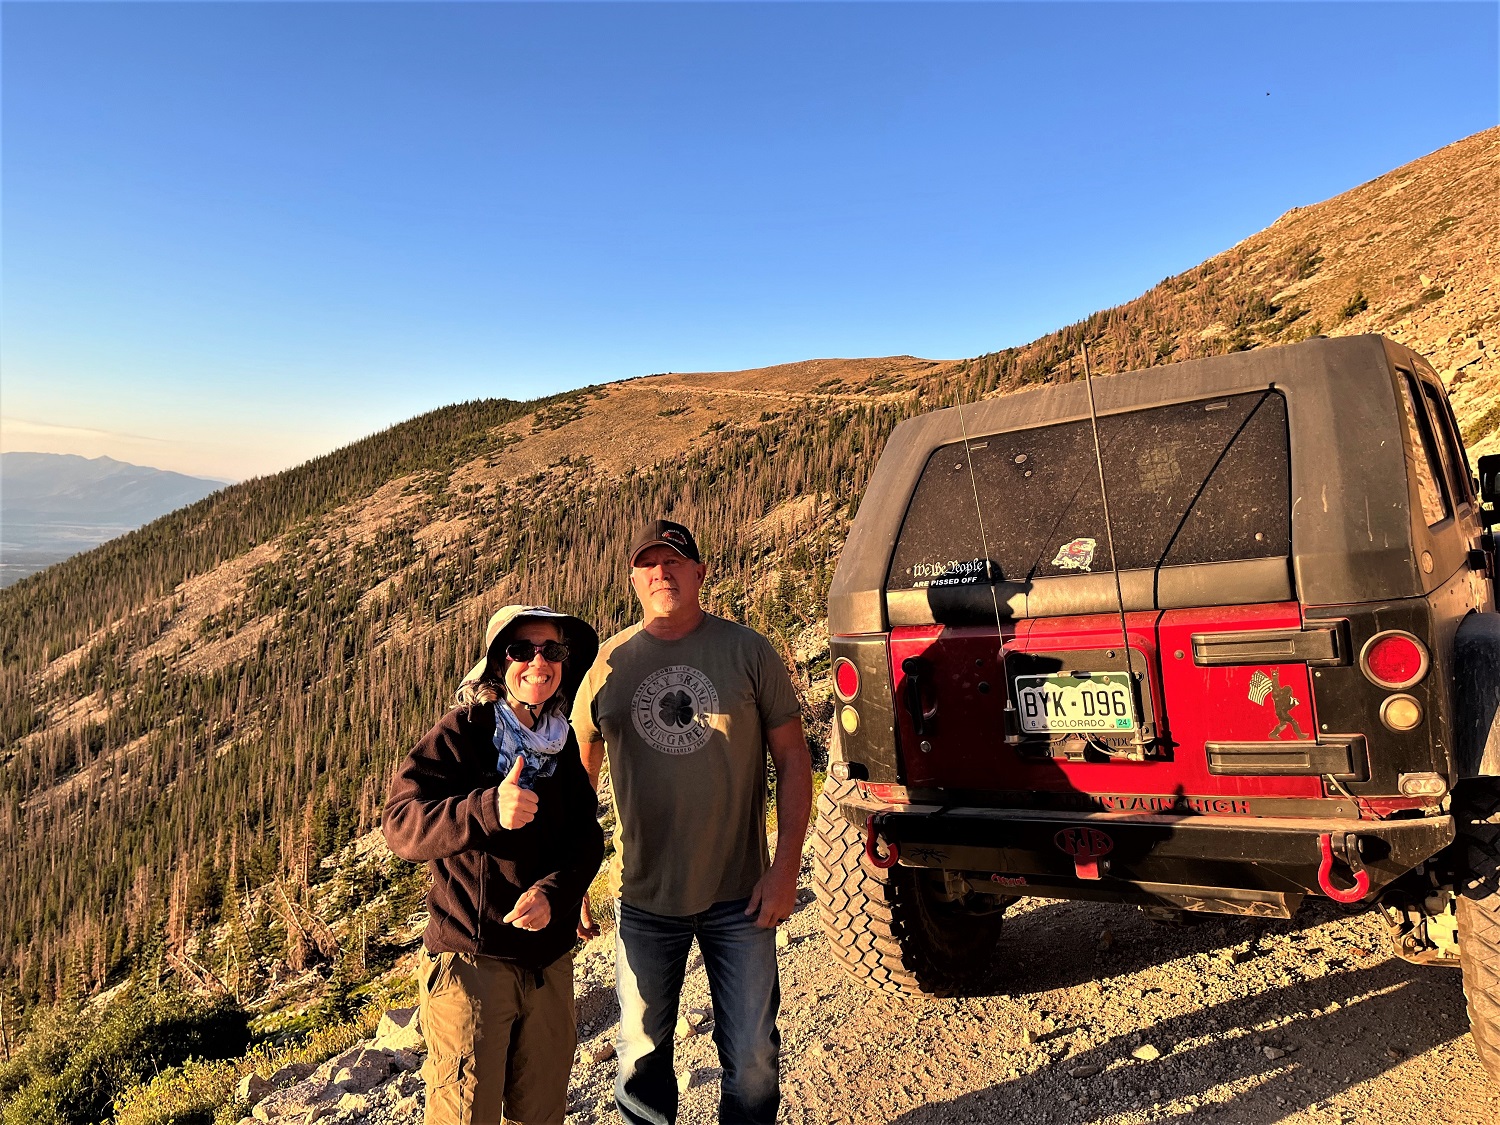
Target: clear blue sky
237,236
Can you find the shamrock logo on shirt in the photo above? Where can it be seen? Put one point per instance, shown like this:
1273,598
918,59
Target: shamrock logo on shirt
676,709
673,709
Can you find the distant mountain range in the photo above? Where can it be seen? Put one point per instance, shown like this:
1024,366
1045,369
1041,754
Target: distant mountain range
53,505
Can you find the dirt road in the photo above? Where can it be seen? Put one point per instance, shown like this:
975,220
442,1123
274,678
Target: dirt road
1253,1022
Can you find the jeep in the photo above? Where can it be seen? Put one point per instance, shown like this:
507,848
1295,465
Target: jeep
1215,636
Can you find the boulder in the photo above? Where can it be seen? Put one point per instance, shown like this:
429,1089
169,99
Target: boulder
291,1074
367,1068
354,1103
293,1103
252,1088
399,1030
340,1084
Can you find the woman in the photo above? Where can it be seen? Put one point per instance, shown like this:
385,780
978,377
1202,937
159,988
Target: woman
496,801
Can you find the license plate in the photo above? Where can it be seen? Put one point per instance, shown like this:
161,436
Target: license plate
1083,702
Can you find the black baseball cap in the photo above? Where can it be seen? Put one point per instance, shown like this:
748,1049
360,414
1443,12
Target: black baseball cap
665,533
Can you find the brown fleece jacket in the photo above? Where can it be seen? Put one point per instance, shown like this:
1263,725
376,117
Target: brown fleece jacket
442,809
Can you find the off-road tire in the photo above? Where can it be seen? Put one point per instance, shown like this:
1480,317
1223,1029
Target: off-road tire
888,928
1477,807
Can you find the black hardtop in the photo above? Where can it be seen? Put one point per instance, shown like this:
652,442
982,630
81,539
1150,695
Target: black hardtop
1350,507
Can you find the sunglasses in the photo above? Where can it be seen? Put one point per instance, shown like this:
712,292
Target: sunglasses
554,652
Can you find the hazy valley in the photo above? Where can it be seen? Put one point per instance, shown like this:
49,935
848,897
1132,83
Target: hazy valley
54,505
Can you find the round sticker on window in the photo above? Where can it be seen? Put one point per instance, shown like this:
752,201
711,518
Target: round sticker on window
671,709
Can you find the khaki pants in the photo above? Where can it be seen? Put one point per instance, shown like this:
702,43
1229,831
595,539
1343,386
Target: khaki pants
499,1040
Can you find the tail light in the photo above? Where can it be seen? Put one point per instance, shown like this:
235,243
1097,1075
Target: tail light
1394,660
845,679
1401,712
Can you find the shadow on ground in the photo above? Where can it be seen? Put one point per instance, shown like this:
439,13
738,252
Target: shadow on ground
1054,944
1370,1031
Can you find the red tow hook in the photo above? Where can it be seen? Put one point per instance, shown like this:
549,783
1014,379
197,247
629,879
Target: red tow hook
1351,857
892,850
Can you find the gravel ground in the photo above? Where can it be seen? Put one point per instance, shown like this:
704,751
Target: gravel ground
1250,1021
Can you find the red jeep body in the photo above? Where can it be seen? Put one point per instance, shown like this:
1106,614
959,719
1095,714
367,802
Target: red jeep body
1298,543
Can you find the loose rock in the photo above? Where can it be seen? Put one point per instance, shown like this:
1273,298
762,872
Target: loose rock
598,1052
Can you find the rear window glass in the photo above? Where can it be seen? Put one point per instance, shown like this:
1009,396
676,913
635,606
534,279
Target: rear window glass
1422,455
1454,462
1197,482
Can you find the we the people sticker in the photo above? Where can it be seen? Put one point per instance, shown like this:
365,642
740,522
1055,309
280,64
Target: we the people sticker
947,572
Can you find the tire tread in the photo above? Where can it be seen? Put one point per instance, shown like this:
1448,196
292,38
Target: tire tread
870,916
1477,807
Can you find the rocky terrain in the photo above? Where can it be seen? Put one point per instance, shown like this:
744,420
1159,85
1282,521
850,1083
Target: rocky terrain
1108,1018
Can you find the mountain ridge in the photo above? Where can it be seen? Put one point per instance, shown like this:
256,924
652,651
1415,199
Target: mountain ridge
53,505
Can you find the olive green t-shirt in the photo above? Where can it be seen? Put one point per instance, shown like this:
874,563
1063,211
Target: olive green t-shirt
683,723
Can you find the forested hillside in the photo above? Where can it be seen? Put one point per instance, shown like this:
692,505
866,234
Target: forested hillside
213,704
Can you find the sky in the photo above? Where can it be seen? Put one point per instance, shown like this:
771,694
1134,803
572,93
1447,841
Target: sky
236,236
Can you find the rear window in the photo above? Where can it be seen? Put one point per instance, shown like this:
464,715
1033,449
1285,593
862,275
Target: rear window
1422,454
1454,462
1197,482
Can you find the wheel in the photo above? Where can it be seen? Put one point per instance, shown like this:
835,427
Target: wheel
1476,804
893,929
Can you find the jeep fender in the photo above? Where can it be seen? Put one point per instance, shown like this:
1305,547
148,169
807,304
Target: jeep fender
1476,711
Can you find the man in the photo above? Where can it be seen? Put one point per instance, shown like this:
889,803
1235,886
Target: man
686,704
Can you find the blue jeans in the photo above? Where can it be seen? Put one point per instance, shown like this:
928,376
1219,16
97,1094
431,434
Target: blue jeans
651,953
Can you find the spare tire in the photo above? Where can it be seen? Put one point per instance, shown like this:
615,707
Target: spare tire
1476,805
893,929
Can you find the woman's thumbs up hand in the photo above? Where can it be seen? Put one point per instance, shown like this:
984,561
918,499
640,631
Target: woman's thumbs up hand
517,805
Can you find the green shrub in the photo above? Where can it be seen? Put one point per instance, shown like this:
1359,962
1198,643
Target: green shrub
190,1094
1357,304
76,1060
1481,427
200,1092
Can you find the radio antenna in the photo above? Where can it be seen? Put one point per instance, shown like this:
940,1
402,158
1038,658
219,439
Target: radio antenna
984,539
1109,531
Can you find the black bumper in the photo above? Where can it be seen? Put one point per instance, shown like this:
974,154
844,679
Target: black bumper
1200,862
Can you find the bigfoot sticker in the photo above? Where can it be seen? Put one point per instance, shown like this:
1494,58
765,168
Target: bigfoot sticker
1076,555
671,709
1282,700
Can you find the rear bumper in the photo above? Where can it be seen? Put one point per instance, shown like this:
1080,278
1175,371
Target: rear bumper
1266,864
